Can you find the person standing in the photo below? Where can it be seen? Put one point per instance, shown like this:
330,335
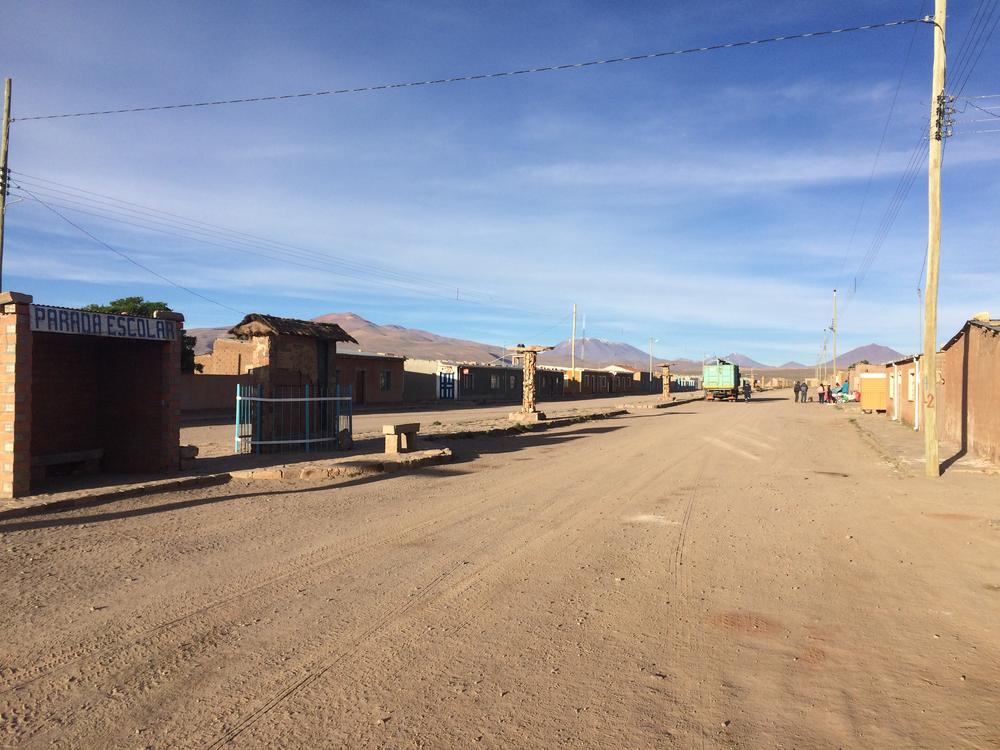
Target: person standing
821,393
795,389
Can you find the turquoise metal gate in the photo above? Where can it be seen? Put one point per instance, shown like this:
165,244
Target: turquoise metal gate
285,419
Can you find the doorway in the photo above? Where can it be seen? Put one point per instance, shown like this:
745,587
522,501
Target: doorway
359,387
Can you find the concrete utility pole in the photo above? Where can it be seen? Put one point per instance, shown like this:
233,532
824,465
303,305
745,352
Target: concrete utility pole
572,356
835,334
932,464
651,340
4,179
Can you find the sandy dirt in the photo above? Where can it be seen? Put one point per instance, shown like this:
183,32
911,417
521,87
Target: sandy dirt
713,575
215,436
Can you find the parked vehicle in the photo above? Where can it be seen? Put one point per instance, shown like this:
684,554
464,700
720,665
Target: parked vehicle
721,380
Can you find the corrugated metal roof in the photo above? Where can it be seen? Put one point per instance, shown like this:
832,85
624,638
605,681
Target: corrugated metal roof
992,325
259,324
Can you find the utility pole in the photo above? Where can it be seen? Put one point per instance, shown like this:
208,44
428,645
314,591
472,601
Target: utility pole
835,334
572,356
4,178
932,465
651,340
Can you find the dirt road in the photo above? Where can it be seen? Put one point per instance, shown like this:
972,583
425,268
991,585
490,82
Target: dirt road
714,575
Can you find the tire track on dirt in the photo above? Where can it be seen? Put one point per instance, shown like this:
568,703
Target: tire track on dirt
460,514
558,517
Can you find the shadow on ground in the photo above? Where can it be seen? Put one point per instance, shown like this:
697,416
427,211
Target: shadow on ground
466,450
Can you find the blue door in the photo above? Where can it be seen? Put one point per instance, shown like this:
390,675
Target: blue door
447,385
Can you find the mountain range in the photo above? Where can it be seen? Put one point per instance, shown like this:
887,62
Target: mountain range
590,352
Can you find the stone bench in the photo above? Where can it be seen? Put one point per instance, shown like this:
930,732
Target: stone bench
400,438
89,461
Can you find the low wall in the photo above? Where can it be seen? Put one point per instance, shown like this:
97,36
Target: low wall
211,392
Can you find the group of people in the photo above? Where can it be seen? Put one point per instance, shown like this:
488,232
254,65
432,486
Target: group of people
825,394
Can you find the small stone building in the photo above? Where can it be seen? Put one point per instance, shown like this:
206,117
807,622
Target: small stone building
86,391
278,352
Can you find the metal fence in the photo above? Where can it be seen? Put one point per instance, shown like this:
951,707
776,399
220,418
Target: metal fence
285,419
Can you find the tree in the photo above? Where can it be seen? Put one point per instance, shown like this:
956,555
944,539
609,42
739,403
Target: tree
145,309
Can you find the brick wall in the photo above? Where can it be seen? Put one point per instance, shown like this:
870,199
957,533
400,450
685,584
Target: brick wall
66,387
349,365
232,357
15,397
201,392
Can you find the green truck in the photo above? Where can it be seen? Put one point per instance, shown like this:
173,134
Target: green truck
721,380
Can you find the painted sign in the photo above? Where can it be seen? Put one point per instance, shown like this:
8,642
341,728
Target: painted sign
64,320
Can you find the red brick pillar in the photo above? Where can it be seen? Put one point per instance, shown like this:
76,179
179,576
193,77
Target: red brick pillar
15,394
170,424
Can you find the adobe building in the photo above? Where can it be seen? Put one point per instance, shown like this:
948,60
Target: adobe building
375,378
445,380
86,391
278,351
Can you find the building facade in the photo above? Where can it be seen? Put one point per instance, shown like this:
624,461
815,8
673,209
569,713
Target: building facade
968,374
375,378
442,380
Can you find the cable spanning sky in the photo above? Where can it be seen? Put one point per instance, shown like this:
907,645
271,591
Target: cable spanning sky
706,200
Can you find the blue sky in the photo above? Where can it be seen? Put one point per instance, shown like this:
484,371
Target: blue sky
707,201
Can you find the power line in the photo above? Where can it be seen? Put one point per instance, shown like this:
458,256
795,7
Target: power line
978,37
145,217
481,76
967,58
881,143
896,202
975,25
175,225
982,109
123,207
131,260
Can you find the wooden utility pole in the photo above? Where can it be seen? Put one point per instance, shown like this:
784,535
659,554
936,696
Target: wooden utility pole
834,334
932,464
4,178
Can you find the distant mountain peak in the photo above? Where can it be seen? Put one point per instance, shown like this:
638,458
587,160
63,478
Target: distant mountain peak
744,361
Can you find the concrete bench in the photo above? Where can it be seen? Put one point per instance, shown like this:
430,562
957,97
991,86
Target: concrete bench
88,459
400,438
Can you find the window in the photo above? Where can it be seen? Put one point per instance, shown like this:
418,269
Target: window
911,385
494,382
385,380
513,382
892,386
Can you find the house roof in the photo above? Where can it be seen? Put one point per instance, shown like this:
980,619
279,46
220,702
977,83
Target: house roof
259,324
371,355
987,325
